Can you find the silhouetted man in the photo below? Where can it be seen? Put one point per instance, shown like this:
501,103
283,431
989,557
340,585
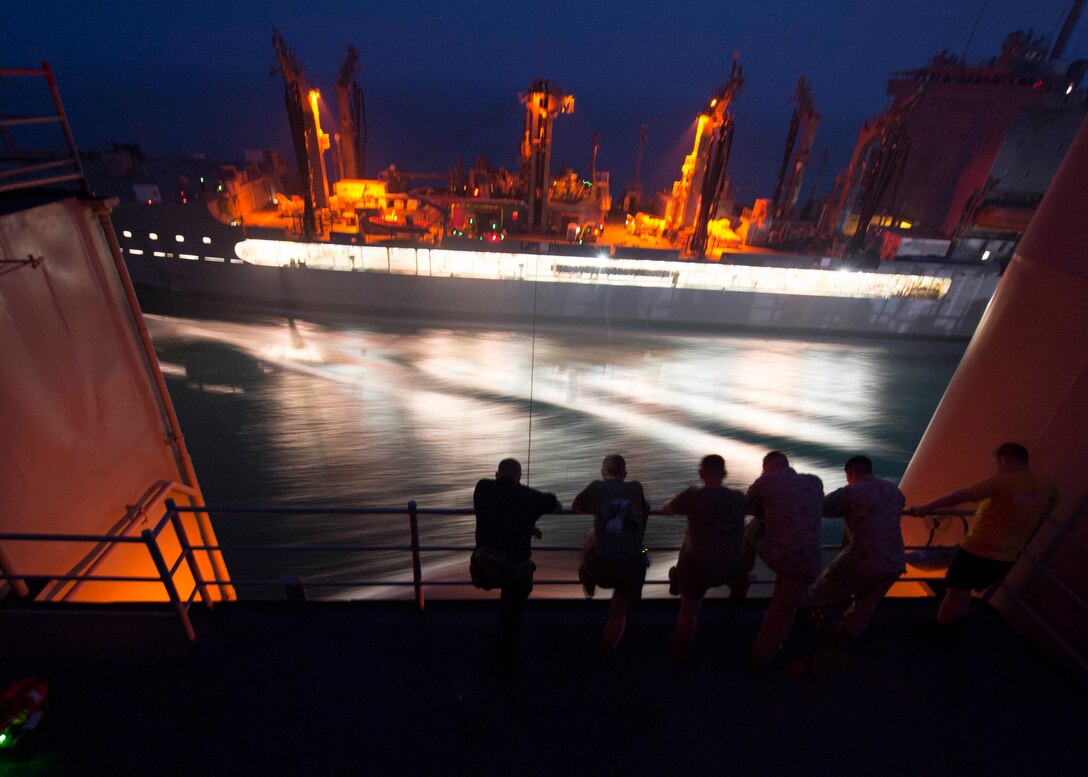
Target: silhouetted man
713,545
1011,503
613,555
787,509
506,516
871,558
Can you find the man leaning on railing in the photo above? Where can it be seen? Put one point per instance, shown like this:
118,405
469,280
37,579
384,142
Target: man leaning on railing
506,516
871,558
1011,503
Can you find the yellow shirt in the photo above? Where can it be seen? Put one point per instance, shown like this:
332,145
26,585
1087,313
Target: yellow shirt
1010,506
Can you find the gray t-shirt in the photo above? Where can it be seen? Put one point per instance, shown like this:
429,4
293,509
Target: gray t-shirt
714,540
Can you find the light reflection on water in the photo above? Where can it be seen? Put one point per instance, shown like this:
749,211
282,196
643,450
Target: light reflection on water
291,412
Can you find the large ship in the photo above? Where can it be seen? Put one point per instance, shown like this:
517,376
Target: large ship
884,254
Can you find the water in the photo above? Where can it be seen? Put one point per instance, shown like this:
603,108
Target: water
289,412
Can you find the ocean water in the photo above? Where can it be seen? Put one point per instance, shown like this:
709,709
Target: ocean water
290,412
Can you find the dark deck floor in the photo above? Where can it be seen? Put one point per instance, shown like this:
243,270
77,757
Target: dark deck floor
377,688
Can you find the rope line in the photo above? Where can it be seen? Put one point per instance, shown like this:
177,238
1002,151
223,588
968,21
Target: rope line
532,377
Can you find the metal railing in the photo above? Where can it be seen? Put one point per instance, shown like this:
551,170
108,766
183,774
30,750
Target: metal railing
149,538
27,170
182,601
1071,596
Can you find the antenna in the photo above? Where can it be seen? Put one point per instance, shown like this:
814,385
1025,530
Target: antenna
540,53
971,37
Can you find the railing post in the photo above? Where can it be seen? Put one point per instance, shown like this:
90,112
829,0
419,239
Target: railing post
187,549
294,588
417,569
168,582
18,585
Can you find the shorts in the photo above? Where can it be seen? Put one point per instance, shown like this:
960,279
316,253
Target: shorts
970,572
691,581
626,579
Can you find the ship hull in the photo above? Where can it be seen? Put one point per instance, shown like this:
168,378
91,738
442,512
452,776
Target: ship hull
221,278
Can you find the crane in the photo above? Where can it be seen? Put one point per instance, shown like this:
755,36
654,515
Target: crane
702,177
878,158
306,135
351,112
805,122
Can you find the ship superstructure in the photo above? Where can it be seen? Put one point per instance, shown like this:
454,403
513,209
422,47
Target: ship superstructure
963,154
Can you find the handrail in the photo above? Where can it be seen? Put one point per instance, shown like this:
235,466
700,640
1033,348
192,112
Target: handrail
168,568
154,496
149,538
32,165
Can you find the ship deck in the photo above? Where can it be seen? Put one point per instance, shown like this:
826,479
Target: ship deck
379,688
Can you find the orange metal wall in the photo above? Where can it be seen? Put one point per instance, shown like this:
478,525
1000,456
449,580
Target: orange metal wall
1024,378
83,430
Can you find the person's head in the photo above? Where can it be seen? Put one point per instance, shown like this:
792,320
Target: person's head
858,467
712,470
774,461
613,467
1011,457
509,469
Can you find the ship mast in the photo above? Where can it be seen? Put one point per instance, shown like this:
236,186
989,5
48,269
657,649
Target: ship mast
1067,30
543,103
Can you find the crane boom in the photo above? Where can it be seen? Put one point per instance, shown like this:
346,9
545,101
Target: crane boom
306,135
711,160
805,122
352,119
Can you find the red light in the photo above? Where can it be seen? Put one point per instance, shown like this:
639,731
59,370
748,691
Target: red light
514,216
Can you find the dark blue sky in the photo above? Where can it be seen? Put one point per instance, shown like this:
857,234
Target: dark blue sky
194,76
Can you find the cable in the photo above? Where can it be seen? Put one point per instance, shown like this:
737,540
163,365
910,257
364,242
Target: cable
971,37
532,376
431,153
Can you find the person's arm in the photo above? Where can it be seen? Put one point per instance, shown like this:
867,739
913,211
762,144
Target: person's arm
546,508
583,503
940,503
835,503
1053,502
677,505
754,499
546,503
477,495
645,504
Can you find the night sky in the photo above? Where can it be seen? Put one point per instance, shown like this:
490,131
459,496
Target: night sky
443,77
